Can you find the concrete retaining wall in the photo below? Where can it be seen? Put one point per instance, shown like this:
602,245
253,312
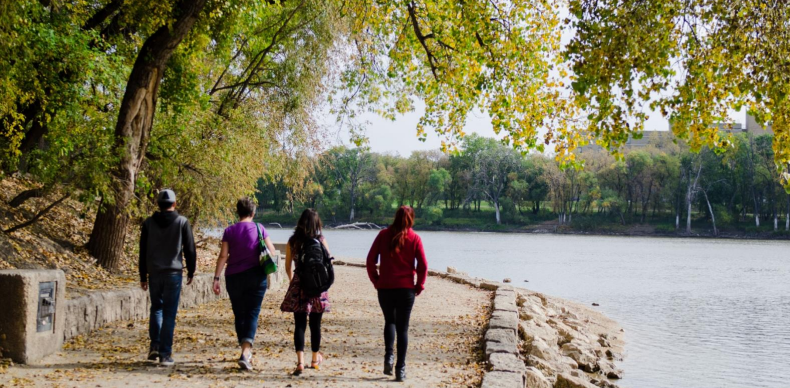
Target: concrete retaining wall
100,308
94,311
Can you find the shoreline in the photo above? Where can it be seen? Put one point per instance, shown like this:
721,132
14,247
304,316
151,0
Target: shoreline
763,236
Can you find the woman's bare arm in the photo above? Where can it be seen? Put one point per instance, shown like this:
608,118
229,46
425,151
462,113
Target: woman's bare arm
288,261
221,260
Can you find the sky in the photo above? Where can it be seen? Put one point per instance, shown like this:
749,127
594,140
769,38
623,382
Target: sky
400,136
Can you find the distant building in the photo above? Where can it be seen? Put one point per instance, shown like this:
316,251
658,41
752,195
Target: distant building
756,129
751,127
660,139
654,138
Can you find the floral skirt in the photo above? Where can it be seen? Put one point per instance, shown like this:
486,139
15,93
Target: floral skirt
296,302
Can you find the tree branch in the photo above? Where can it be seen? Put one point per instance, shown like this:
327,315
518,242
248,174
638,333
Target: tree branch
25,195
37,216
422,39
102,14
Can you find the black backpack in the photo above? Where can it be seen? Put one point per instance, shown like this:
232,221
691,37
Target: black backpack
315,270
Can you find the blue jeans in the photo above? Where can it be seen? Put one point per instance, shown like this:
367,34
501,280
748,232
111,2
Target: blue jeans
246,290
165,289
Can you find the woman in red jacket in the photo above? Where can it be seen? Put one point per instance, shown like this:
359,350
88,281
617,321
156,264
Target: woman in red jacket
399,253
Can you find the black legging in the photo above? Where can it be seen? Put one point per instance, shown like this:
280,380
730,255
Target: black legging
300,320
396,304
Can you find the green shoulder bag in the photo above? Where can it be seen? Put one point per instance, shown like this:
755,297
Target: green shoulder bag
266,260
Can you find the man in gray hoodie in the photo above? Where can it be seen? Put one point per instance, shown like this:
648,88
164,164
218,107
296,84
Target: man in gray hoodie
165,240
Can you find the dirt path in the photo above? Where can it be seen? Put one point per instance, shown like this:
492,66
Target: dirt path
444,350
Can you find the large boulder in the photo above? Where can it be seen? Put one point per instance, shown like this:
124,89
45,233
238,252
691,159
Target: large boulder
609,370
582,355
536,379
568,381
543,351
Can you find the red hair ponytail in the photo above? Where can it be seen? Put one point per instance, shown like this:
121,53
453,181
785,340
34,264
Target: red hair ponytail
404,220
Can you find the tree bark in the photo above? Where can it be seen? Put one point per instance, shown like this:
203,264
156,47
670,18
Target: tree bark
133,130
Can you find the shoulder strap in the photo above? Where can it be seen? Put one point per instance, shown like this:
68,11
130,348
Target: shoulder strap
260,236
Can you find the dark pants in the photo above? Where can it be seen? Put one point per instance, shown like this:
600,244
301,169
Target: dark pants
165,290
246,290
396,305
300,320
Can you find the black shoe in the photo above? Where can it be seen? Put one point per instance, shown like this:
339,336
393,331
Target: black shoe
389,363
166,360
245,363
400,374
153,354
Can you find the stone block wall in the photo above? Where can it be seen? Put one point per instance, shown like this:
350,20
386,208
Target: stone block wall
501,342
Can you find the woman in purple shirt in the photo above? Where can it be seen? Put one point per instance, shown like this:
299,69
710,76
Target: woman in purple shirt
245,279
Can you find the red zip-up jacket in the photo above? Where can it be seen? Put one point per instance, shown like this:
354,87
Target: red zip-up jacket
397,270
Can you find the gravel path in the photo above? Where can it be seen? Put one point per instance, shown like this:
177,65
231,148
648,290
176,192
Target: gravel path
446,327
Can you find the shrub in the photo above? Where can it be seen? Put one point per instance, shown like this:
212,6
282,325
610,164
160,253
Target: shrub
432,215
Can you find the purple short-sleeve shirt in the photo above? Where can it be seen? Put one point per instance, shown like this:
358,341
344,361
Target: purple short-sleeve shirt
243,247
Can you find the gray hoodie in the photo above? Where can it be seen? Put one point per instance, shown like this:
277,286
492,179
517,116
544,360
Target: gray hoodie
166,237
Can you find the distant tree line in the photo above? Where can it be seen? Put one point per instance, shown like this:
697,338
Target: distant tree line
660,181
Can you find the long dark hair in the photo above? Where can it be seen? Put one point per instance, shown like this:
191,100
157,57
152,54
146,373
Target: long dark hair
308,227
404,220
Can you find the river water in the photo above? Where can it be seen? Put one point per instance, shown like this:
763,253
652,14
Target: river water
697,313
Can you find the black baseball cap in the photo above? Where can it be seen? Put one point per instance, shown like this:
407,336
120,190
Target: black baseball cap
166,197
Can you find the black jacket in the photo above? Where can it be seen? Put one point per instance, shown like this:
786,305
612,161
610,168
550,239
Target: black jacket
166,237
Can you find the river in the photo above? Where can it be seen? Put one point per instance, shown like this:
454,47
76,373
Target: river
697,313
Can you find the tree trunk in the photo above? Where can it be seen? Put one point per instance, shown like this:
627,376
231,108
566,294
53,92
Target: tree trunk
351,215
496,207
688,219
133,130
712,216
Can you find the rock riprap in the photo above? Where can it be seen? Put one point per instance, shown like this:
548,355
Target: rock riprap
565,344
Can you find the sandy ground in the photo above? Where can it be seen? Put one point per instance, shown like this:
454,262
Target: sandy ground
444,350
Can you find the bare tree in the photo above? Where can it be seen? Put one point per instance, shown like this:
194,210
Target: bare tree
492,167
